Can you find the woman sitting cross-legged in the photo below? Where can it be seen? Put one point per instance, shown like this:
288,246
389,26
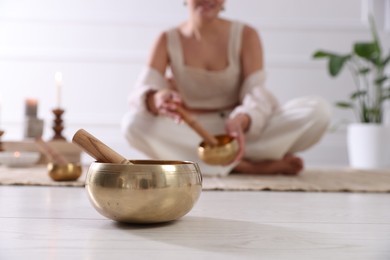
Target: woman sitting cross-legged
218,75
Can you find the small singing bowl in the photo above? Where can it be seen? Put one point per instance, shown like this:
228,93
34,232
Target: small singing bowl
64,172
147,191
221,154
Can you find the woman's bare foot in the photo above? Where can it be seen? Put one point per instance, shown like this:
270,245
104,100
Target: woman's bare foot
289,164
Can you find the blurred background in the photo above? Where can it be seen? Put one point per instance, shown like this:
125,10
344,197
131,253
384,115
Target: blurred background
100,46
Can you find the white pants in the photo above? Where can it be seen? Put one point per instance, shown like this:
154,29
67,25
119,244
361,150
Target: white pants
294,127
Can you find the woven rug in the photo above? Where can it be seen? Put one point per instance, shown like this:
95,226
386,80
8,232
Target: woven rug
313,180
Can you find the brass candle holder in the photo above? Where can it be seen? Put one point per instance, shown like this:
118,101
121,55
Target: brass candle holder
58,124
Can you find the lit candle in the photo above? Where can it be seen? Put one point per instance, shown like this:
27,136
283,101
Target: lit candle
16,158
31,107
19,158
17,154
58,78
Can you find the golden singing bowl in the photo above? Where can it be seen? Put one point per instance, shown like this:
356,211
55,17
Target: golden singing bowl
148,191
221,154
64,172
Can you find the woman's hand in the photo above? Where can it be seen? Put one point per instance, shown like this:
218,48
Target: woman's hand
236,127
165,102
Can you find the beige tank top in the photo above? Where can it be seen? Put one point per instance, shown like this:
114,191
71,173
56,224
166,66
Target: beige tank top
203,89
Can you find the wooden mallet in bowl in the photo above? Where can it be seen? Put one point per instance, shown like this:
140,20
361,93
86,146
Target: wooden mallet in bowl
97,149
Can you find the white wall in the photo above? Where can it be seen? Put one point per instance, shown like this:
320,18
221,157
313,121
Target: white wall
100,47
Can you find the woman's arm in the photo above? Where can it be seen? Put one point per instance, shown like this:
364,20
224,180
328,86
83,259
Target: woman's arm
251,61
256,102
162,100
159,58
251,52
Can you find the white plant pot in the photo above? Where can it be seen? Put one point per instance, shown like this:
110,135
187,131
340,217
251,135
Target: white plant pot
368,146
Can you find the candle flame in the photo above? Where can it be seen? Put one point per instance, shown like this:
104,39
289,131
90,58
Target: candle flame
17,154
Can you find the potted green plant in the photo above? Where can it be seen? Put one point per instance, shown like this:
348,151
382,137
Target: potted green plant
369,139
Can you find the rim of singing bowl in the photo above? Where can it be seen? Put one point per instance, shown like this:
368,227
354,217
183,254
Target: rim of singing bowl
148,191
224,153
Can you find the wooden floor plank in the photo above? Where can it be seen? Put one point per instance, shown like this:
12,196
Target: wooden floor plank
60,223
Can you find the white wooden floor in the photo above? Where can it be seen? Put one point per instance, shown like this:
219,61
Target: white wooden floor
59,223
